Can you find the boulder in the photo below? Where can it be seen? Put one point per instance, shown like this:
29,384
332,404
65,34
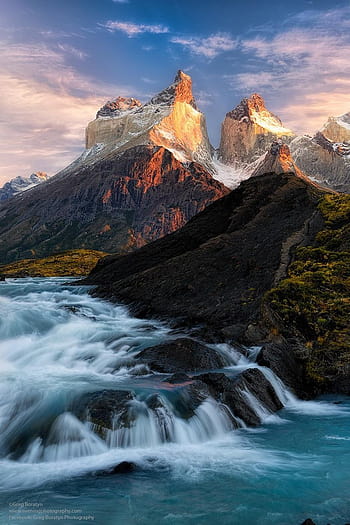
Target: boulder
102,406
181,355
230,391
280,357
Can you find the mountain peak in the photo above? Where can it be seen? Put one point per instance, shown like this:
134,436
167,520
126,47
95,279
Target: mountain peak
337,129
20,184
253,110
277,160
114,108
247,106
170,120
179,91
248,131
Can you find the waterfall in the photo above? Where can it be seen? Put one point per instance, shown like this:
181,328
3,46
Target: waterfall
154,427
58,345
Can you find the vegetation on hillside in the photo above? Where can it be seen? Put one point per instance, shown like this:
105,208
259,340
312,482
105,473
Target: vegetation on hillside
314,301
69,263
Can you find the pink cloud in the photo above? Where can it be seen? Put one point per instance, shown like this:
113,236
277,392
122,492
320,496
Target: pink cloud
45,107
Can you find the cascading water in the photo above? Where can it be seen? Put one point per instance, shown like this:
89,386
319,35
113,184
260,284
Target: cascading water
59,348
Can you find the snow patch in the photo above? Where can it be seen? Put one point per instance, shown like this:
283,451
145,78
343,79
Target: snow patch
265,120
344,121
230,176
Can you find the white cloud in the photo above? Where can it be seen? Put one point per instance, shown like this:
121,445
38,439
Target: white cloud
147,80
203,98
70,50
45,105
132,29
208,47
305,71
121,1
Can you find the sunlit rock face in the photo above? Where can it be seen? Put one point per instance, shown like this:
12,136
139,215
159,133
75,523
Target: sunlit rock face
117,204
170,120
248,131
337,129
326,156
111,121
277,160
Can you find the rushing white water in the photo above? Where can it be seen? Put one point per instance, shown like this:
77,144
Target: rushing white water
57,343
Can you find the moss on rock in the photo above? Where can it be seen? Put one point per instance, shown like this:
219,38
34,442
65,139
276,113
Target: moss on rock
314,300
70,263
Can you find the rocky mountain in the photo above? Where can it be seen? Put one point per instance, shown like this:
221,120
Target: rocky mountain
248,131
170,120
326,156
19,184
277,159
264,265
139,179
337,129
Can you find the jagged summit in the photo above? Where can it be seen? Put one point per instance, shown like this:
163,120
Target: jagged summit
253,110
337,129
326,155
248,131
170,120
114,108
179,91
277,160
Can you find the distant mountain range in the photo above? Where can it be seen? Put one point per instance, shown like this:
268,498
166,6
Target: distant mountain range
19,184
149,168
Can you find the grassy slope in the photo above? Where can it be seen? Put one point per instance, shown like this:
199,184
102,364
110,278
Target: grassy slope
314,301
70,263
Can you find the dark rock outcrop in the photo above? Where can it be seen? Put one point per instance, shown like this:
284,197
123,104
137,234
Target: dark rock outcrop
235,393
101,407
267,263
125,467
217,268
177,378
281,359
182,354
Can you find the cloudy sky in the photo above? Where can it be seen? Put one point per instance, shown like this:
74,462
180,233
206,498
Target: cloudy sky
61,60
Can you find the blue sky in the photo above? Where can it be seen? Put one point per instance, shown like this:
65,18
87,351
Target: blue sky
61,60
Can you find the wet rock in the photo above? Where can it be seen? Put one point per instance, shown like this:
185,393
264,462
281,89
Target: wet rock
232,392
125,467
180,355
154,401
189,399
282,361
308,521
177,378
102,407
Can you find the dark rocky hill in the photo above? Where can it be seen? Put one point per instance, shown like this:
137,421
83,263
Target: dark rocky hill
114,205
216,274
